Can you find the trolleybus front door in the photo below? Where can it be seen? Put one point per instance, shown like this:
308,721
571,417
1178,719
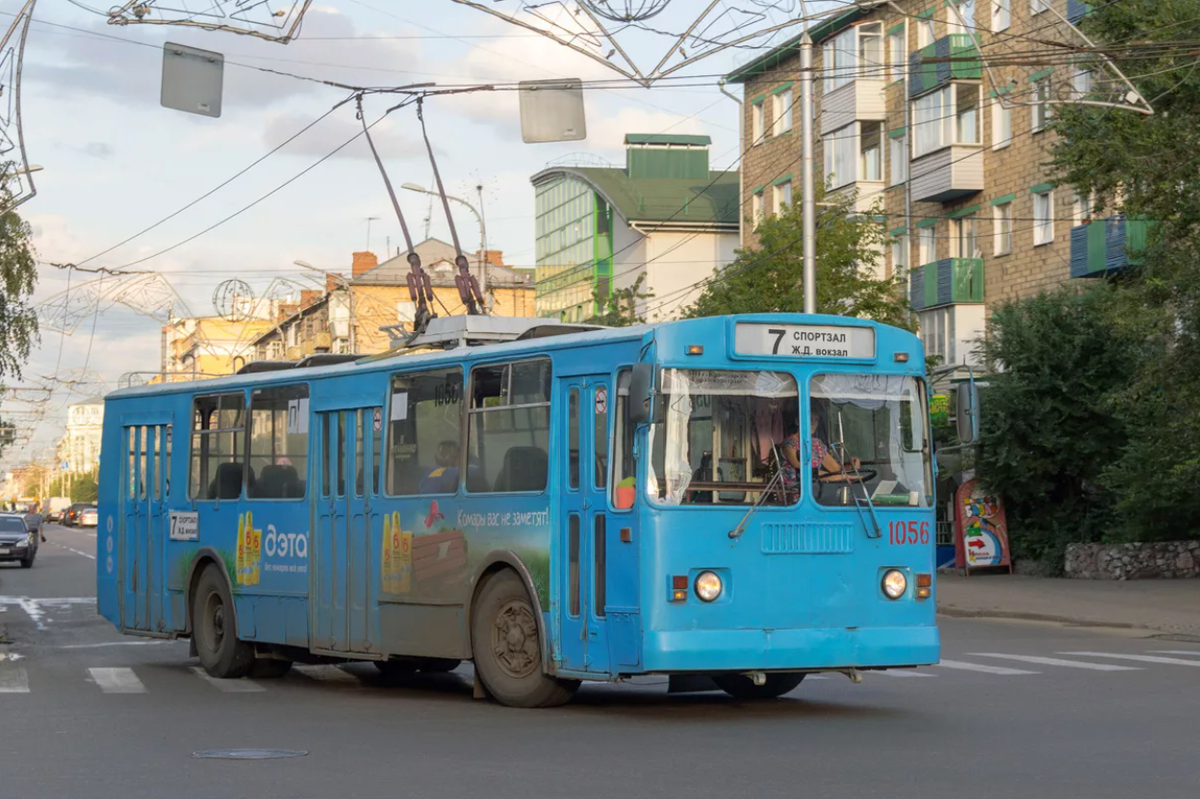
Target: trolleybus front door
582,548
344,567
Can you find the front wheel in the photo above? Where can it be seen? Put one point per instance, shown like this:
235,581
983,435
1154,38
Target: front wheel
27,563
739,686
214,629
508,648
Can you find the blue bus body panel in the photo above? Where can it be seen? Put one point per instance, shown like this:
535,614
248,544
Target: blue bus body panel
802,583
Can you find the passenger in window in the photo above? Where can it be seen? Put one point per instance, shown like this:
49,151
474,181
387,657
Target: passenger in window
825,466
791,452
443,478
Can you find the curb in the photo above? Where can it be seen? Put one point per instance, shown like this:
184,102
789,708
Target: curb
961,613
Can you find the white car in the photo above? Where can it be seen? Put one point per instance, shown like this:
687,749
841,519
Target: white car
89,518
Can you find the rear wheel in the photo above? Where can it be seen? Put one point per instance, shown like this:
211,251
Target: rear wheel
508,648
214,629
739,686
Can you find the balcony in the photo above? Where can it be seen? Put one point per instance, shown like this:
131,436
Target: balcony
958,60
946,282
1104,246
866,193
948,174
860,100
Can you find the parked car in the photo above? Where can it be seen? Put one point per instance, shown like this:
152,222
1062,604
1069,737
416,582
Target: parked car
71,517
89,517
18,541
56,507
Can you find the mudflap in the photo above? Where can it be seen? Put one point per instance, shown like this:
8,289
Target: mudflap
690,684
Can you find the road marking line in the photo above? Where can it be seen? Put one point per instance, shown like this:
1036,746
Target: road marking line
117,681
325,673
1001,670
155,642
1176,652
895,673
240,686
1139,658
14,681
1070,664
76,551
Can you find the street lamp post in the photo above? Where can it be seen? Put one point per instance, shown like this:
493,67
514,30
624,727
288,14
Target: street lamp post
349,293
482,231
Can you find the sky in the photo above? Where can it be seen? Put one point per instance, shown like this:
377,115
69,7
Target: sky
115,161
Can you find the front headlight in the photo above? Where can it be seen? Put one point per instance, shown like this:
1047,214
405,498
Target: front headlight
894,583
708,586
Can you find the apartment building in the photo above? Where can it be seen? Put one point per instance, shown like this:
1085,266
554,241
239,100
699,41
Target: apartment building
910,121
664,216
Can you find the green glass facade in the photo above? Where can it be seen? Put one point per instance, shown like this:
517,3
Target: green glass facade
573,248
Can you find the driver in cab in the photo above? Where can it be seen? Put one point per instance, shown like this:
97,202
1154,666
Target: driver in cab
828,469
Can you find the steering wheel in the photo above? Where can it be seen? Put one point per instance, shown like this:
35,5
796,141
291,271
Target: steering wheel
860,475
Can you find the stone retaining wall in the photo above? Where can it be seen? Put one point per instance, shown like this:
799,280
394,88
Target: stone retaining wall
1133,561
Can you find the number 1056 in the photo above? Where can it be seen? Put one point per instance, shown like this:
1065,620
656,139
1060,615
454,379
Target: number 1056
908,532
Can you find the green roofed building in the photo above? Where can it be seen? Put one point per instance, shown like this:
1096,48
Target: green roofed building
665,214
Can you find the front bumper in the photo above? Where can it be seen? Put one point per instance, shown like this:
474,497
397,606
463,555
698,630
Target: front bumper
14,551
675,651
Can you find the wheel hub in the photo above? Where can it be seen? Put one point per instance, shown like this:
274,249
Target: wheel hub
515,639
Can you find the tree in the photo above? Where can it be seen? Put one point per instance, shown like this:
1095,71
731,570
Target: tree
769,277
1048,429
18,276
620,306
1148,167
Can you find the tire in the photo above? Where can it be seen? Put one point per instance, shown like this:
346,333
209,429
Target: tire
508,648
214,629
437,665
739,686
270,668
27,563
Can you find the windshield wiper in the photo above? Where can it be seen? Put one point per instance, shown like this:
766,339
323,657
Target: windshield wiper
777,478
865,499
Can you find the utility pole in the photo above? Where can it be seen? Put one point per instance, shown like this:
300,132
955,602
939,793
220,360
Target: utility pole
810,200
482,243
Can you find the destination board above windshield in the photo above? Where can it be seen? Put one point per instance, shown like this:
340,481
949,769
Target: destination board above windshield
804,341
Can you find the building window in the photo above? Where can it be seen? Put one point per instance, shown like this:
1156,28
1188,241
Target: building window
966,10
1002,222
782,196
782,122
1043,217
898,153
756,122
841,151
1001,125
966,113
871,151
1041,103
925,31
898,53
839,62
870,50
1038,6
756,207
947,116
926,245
965,243
1001,15
1081,83
1082,207
937,334
900,254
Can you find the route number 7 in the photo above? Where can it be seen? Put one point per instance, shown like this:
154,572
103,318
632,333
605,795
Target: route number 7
778,334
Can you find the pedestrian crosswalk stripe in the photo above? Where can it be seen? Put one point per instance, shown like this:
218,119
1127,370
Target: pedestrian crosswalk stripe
898,673
242,686
117,681
1069,664
1000,670
1139,658
325,673
14,680
1195,652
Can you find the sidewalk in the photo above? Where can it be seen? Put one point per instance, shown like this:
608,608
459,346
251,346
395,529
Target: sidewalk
1171,606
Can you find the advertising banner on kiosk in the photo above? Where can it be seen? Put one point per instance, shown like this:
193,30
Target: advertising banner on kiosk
980,535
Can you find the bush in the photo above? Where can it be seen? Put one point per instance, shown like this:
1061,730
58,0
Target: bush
1049,426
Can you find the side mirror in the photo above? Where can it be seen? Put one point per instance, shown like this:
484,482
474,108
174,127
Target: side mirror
967,417
642,400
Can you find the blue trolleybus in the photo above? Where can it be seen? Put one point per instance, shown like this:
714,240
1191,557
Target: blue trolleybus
734,502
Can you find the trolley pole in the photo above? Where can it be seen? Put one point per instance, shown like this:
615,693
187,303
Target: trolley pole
810,200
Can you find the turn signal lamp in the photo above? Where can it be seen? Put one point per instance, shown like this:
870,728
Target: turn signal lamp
695,349
924,586
901,357
679,588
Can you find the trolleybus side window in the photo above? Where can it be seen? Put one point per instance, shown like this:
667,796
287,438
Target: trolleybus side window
425,432
279,442
509,427
624,470
872,428
218,446
725,438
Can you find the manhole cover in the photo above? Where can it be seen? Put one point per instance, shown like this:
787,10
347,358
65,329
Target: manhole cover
247,754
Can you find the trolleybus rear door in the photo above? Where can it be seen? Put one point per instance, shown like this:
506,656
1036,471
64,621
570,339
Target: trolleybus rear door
142,529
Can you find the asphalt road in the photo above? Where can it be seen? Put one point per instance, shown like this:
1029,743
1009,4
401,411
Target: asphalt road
1017,709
